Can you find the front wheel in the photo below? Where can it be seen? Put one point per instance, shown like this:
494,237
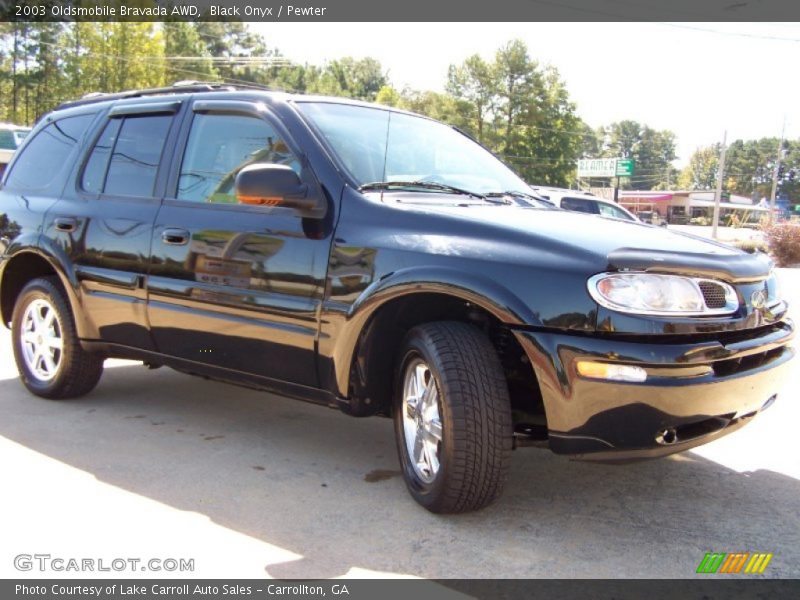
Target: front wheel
452,417
49,356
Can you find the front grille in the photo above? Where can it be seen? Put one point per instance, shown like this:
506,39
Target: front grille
713,294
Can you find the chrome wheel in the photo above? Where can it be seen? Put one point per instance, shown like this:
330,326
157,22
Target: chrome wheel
41,340
422,424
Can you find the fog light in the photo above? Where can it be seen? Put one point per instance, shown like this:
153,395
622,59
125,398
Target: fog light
598,370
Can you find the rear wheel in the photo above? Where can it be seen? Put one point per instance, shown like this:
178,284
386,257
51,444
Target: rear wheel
49,357
452,417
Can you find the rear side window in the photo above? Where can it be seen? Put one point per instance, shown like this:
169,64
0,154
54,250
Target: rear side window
94,175
126,156
46,155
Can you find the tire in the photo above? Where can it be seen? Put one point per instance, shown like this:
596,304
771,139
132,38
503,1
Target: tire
49,356
457,364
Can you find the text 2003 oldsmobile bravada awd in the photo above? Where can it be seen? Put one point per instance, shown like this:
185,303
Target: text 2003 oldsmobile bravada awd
375,260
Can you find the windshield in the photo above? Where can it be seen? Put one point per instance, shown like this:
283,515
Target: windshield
377,145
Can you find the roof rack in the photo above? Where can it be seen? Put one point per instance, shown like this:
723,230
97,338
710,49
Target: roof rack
179,87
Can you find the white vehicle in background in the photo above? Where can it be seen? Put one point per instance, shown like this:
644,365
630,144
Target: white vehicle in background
577,201
11,137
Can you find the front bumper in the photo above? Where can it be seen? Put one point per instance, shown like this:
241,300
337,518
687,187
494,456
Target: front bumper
694,392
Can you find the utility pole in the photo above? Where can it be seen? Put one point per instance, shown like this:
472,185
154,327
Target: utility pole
720,175
775,174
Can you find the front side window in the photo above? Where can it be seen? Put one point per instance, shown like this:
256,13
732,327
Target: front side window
46,155
126,156
219,146
380,145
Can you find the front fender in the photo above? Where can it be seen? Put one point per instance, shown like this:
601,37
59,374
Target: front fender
346,323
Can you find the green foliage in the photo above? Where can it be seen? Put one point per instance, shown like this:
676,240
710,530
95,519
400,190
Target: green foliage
182,39
701,172
520,110
749,168
750,165
652,150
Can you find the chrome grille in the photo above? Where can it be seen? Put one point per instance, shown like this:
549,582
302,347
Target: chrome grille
713,294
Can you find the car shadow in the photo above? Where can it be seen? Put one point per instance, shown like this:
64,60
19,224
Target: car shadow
327,487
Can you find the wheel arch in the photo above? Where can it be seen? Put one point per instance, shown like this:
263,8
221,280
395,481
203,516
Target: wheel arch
379,319
29,263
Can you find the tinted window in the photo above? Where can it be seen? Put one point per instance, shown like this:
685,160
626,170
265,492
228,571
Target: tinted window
579,205
219,147
94,175
46,155
7,141
136,155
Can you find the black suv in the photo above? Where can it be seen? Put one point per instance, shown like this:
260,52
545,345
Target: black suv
380,262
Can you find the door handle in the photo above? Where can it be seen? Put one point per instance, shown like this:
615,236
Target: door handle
175,237
66,224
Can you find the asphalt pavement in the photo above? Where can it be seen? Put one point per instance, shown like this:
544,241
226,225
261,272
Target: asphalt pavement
156,464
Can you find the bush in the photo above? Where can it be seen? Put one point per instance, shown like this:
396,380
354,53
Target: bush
784,243
700,221
752,246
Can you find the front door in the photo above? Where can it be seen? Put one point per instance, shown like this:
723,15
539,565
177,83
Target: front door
234,285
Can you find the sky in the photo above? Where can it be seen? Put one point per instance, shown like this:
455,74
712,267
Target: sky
696,79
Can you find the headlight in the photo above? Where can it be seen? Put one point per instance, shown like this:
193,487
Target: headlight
664,295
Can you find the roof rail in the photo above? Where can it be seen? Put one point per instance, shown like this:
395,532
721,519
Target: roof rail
180,87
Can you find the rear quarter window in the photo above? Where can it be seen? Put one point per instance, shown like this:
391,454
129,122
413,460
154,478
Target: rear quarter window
47,154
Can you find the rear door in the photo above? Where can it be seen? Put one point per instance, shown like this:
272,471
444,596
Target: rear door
234,285
103,221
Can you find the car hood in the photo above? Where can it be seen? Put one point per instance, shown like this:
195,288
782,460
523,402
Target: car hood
621,244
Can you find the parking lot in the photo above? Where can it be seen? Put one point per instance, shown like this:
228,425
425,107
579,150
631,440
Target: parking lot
156,464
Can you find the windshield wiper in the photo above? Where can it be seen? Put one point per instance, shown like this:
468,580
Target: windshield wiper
426,185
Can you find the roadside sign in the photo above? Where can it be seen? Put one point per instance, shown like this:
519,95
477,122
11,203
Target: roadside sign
597,167
624,167
605,167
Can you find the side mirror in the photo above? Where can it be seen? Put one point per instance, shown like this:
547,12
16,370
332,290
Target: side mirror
268,184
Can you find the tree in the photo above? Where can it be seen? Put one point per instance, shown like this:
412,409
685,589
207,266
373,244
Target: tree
441,107
750,165
233,40
653,152
474,82
701,172
522,111
361,79
518,80
181,39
